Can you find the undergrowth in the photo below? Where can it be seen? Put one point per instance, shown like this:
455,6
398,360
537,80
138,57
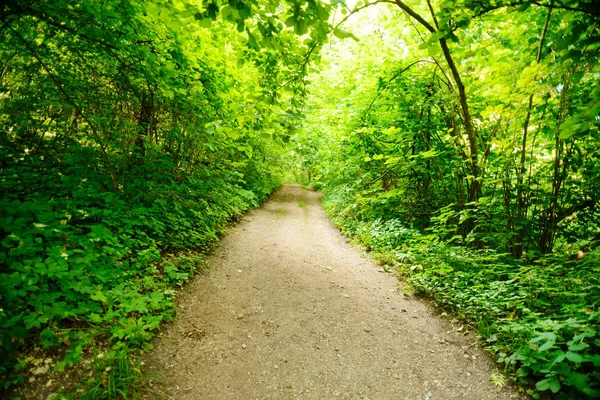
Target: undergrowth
539,319
82,266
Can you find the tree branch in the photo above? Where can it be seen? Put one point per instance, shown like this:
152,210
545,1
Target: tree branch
592,11
412,13
391,79
71,101
590,203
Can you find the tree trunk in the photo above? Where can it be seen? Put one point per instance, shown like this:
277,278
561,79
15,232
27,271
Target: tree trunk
522,199
474,183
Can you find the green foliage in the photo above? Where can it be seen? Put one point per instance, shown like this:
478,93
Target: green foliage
467,157
115,377
131,133
497,379
540,320
130,136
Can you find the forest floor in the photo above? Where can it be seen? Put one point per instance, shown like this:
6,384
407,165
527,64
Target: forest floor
290,310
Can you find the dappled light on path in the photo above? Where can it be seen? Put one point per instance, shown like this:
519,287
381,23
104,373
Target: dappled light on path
289,309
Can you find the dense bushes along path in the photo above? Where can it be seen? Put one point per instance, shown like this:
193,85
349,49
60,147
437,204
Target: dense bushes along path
289,310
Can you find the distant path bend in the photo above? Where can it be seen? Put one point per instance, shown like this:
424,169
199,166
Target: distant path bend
290,310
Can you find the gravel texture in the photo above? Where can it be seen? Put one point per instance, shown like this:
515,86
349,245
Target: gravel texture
289,310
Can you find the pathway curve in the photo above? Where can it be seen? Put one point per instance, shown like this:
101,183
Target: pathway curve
290,310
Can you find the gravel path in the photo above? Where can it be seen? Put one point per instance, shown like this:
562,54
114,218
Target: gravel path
290,310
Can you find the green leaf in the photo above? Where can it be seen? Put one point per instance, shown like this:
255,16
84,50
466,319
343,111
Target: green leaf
290,21
559,358
578,346
550,383
574,357
173,24
342,34
95,318
241,26
547,345
300,27
578,381
575,125
452,37
205,23
99,296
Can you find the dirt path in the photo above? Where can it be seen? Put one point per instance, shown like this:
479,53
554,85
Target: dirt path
289,310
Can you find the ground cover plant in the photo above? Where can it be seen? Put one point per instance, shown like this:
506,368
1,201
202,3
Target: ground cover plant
458,141
131,134
540,320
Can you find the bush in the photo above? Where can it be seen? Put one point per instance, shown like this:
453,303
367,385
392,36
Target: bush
540,320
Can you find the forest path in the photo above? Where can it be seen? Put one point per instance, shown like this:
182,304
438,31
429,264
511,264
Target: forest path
290,310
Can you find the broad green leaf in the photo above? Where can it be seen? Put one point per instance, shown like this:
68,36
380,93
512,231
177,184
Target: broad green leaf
550,383
574,357
205,22
342,34
549,344
578,380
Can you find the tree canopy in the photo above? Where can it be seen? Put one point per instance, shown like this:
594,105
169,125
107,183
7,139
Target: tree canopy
457,139
459,142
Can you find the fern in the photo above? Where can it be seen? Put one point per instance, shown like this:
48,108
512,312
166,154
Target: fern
498,379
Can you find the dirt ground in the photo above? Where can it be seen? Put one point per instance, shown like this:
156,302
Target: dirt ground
289,310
